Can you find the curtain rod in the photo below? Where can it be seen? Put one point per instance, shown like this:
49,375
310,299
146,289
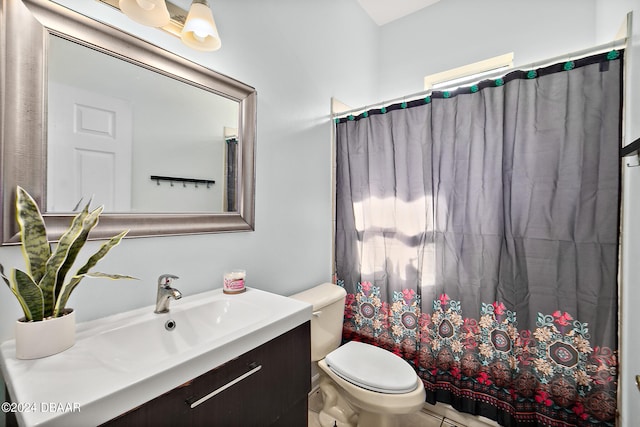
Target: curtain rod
537,64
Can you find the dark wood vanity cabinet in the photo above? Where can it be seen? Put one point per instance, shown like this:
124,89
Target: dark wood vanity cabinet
267,386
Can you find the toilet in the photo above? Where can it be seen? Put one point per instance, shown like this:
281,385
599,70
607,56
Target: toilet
361,384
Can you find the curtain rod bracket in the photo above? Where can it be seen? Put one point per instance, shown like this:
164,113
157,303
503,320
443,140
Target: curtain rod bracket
633,160
631,153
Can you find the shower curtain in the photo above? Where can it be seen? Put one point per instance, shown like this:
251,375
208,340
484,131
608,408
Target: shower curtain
477,237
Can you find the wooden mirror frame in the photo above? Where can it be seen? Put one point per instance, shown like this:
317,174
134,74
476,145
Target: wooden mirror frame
25,26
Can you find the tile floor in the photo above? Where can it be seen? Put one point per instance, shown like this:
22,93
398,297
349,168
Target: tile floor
423,418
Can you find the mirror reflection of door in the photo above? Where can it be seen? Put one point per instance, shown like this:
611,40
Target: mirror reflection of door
90,150
176,130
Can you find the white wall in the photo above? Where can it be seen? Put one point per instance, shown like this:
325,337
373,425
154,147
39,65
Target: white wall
295,54
452,33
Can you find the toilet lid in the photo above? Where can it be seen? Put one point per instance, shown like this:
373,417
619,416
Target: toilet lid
372,368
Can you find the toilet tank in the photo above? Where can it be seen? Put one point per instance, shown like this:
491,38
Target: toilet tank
326,323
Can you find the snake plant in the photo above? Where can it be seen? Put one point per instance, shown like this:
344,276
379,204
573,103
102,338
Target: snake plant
43,290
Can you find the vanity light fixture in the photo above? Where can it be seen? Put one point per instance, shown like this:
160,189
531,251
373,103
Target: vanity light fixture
200,31
152,13
197,28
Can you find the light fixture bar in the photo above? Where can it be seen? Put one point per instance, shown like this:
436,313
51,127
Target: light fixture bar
178,16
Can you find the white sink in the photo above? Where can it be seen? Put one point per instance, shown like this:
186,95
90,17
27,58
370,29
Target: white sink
122,361
156,338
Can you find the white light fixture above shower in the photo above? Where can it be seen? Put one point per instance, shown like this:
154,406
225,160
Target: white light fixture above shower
197,28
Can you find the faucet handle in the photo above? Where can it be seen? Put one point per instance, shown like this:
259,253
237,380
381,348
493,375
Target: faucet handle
166,279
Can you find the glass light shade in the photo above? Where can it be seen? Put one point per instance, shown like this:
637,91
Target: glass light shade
152,13
200,31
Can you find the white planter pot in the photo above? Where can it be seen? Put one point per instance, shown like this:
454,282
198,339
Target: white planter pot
45,338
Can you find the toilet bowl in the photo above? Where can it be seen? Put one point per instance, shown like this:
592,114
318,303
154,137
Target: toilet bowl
378,384
361,384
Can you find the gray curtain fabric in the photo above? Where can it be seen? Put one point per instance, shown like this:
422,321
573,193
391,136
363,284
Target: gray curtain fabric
507,195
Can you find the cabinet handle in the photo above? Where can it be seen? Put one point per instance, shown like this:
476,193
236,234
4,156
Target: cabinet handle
226,386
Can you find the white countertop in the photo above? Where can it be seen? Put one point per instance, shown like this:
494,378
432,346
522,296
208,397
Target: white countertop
85,387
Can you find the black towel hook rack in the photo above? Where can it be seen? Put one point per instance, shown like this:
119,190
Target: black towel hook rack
184,181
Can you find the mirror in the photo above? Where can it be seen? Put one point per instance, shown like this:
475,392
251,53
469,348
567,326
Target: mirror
113,126
70,133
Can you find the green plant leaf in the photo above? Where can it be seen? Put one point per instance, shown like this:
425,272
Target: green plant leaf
101,253
89,221
57,259
5,278
41,291
29,295
98,275
33,234
75,280
67,288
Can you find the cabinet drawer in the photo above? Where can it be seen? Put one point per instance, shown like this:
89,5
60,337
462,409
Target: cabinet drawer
259,388
278,376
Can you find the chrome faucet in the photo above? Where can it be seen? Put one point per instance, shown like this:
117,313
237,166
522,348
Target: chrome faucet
165,293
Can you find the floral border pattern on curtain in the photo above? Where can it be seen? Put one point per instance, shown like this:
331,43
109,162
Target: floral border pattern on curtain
550,376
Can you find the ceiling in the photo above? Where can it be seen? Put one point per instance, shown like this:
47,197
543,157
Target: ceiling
385,11
381,11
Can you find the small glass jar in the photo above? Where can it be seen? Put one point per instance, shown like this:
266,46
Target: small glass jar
234,282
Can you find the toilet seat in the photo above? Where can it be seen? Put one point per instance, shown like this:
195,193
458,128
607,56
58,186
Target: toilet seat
372,368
